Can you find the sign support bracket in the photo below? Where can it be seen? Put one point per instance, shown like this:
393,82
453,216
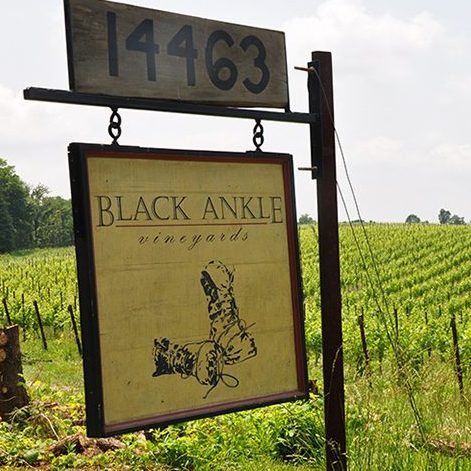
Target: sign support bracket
150,104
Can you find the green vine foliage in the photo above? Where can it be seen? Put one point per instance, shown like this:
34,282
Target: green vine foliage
421,272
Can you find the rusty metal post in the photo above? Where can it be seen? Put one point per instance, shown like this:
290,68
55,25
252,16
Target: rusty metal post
7,312
364,344
74,326
40,324
323,165
456,351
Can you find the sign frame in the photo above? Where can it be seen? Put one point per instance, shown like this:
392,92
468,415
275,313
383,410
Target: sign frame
79,153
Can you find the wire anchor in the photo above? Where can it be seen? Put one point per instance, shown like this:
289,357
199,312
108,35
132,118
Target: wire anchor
114,128
258,138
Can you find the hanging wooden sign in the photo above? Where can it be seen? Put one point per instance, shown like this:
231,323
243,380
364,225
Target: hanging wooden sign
189,284
124,50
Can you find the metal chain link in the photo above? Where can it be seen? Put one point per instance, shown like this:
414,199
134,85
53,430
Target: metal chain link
114,128
258,138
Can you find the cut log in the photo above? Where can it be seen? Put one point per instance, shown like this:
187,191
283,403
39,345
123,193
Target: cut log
13,395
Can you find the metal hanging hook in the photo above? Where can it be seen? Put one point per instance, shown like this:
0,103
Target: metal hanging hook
114,128
258,138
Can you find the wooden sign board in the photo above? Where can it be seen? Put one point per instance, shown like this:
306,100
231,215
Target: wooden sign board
119,49
189,284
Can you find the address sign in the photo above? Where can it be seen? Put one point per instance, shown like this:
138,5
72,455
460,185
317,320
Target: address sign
118,49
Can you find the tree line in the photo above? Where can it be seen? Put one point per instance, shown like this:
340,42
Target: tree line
444,217
29,217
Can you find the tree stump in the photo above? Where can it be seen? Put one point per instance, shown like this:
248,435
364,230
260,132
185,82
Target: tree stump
12,392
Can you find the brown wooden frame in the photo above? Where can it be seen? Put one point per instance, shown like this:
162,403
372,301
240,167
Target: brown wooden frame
78,155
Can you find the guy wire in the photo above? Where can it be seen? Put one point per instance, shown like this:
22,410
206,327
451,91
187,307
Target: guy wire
384,318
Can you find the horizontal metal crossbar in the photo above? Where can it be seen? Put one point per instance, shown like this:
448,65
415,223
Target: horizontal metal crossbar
111,101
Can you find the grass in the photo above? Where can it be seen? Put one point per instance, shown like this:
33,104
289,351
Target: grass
382,432
283,437
59,365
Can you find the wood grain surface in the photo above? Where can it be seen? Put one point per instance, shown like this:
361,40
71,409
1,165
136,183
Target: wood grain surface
119,49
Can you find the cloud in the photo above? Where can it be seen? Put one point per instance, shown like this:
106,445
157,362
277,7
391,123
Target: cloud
389,154
379,149
20,120
459,86
452,158
402,86
34,137
364,43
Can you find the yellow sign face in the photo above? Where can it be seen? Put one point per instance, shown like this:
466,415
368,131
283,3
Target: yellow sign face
196,284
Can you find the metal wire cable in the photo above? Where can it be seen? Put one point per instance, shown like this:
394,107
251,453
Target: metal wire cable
385,317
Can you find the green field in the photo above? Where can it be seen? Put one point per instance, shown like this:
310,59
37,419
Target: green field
420,278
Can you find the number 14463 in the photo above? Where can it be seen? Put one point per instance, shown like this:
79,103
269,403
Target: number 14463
120,49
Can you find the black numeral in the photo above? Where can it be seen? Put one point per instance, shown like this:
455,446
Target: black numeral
259,63
216,69
181,45
142,40
113,65
222,71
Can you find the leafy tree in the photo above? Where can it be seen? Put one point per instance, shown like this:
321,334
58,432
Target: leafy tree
31,217
305,219
57,228
15,225
51,219
6,227
37,210
412,219
444,216
456,220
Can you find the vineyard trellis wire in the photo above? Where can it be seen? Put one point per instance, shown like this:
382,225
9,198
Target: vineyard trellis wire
376,282
424,297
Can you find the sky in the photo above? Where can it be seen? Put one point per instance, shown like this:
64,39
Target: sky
402,97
